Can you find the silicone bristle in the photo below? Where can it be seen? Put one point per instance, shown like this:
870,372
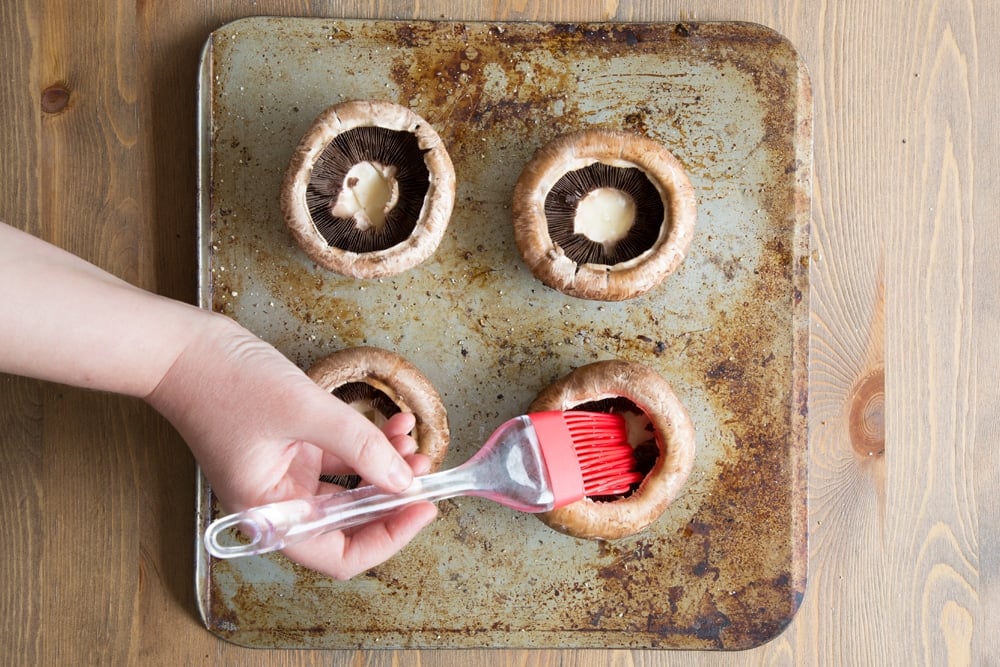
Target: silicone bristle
607,460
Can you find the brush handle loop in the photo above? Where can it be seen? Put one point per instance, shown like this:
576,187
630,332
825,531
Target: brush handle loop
278,525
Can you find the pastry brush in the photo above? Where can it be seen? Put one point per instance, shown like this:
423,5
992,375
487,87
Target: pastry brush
532,463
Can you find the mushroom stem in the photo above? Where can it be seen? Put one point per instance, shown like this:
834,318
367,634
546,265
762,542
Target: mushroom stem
370,412
369,192
605,216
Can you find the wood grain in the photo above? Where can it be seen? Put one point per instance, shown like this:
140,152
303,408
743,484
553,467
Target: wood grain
21,531
21,410
934,528
96,491
983,408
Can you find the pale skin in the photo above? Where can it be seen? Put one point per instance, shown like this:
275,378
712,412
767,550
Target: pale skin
260,429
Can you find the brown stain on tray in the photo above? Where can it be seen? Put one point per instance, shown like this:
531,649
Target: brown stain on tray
725,567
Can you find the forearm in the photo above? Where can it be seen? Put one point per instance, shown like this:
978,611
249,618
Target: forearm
262,431
65,320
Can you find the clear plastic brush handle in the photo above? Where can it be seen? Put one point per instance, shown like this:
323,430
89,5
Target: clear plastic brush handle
509,469
278,525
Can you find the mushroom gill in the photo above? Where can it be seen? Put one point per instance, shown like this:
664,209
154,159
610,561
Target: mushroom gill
370,401
622,221
367,188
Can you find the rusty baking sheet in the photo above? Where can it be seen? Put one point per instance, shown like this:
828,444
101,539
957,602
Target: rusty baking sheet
725,567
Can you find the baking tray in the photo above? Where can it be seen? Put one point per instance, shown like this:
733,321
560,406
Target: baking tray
725,567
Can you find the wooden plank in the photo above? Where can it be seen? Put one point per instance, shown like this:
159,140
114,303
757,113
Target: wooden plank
930,281
847,475
21,411
984,304
21,531
89,524
92,183
19,103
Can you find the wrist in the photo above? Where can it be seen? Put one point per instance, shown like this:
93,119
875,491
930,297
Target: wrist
201,334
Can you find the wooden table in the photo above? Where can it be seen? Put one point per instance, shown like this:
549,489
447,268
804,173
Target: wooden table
97,491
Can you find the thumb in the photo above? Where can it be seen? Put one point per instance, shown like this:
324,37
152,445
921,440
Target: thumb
358,443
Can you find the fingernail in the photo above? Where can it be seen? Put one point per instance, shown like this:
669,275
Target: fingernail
400,475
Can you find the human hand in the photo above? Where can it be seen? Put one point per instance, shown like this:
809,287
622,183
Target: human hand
262,432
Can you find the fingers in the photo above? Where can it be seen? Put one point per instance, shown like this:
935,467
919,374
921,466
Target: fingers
399,424
397,429
376,543
344,556
345,435
420,464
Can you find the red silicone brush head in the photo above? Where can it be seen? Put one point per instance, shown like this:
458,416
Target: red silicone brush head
586,454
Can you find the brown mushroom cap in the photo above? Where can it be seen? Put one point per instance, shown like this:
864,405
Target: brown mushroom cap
400,381
674,436
433,211
550,263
